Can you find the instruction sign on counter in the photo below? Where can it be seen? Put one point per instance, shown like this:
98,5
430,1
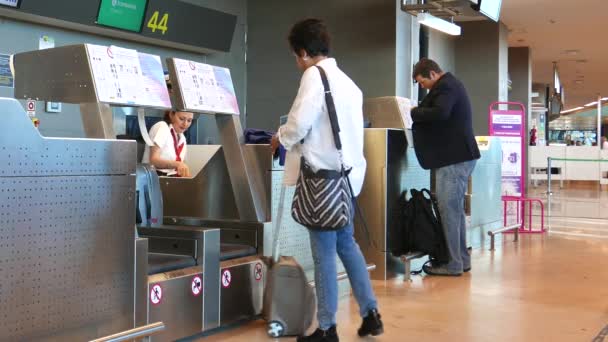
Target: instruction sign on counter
121,74
206,88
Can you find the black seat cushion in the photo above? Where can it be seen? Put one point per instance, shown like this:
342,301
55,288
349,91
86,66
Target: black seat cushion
160,263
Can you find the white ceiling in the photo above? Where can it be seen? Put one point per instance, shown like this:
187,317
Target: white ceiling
551,28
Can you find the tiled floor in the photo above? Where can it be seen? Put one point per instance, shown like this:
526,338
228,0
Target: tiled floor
551,287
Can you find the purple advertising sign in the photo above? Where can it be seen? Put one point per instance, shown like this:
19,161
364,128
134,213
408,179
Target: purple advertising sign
509,124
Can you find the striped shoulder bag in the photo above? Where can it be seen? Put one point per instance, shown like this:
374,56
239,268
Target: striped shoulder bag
323,200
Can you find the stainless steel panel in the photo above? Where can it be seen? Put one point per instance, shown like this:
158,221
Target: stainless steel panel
66,257
141,282
209,193
250,203
372,199
247,233
392,167
67,251
97,120
27,154
243,237
177,97
179,309
210,249
129,335
172,246
60,74
243,298
258,159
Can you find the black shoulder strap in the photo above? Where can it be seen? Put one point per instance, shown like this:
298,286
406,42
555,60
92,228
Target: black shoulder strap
331,109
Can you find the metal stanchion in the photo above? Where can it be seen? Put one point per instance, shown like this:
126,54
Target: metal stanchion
549,176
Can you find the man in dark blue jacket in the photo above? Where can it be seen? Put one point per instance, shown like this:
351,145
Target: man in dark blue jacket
444,142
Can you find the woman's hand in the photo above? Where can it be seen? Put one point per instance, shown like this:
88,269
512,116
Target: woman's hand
274,143
182,169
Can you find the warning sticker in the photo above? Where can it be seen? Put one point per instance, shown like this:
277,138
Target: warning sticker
257,271
31,108
156,294
226,278
196,286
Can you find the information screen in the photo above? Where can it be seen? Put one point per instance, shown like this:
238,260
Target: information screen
491,8
122,14
10,3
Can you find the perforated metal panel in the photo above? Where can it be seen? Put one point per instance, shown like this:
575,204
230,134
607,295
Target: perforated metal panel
63,247
54,157
66,234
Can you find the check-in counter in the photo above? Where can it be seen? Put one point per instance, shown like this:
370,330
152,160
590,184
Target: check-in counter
392,167
604,167
580,163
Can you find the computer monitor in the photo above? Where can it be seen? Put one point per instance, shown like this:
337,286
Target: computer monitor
490,8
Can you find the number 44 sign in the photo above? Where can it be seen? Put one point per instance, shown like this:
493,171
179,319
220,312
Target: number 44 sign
154,24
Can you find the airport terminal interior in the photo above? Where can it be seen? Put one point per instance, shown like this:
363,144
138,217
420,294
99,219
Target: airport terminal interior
101,239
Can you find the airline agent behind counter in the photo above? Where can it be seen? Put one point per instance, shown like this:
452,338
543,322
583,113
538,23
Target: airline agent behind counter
169,151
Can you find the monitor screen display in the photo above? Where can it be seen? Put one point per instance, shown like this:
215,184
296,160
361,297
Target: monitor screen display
490,8
122,14
10,3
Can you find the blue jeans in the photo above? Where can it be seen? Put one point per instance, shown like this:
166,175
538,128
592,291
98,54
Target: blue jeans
325,245
450,186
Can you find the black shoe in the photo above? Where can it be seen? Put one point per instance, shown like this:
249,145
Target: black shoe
439,271
372,324
329,335
466,269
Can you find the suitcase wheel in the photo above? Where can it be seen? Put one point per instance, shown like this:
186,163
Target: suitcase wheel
276,329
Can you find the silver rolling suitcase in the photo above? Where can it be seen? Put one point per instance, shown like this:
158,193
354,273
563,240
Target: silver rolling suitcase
289,299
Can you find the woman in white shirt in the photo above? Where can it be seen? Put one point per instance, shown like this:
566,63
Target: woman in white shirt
169,151
308,120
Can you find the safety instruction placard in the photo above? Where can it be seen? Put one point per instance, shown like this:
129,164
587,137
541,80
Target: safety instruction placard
196,285
226,278
30,107
206,88
124,76
258,271
156,294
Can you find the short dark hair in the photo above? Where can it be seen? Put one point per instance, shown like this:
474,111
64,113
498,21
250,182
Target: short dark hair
424,68
310,35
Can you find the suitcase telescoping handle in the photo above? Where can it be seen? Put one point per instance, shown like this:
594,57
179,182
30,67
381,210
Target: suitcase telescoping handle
277,225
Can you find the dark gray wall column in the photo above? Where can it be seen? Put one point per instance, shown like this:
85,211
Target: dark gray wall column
482,65
442,49
367,45
520,71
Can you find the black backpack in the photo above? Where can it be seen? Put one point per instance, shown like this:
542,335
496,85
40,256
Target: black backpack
418,227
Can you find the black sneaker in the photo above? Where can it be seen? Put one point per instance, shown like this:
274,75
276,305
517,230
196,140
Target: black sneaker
372,324
329,335
439,271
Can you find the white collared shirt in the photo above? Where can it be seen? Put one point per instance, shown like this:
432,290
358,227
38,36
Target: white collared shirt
308,119
161,135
